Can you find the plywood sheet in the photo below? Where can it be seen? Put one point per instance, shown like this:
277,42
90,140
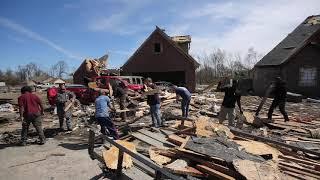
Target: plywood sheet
257,170
259,148
110,156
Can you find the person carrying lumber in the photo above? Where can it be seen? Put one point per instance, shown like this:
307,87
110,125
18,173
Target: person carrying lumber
186,97
102,106
30,110
231,97
153,100
279,90
120,92
64,99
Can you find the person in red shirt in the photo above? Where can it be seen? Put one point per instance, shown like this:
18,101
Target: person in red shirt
30,109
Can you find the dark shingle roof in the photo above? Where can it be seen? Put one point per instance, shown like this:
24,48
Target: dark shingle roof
293,43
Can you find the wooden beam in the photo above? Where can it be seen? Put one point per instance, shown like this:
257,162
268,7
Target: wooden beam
301,168
213,172
302,173
119,165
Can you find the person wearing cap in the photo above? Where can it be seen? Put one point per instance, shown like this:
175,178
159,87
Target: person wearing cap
231,97
30,109
153,100
102,106
186,97
280,93
63,97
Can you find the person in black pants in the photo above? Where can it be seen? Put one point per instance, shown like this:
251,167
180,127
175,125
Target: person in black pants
280,93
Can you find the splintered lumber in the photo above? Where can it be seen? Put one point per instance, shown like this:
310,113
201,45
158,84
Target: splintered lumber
110,156
308,162
213,172
155,155
264,139
180,166
259,148
302,174
147,139
68,105
207,161
175,139
257,170
296,166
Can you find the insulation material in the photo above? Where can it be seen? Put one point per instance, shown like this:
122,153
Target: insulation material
111,156
203,128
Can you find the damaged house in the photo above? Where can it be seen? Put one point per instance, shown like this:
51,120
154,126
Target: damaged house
296,59
164,58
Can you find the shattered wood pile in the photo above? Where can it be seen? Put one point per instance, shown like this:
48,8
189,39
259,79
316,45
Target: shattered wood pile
203,149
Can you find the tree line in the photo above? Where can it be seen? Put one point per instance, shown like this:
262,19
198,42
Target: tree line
32,70
220,63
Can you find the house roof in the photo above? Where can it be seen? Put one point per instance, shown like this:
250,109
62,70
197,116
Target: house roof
293,43
169,39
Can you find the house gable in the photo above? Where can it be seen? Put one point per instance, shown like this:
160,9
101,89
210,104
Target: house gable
170,58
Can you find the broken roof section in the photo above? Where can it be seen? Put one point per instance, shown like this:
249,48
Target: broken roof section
293,43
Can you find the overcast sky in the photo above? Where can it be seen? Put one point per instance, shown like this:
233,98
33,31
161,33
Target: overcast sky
45,32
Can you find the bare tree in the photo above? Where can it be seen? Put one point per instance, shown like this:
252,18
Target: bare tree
252,58
59,69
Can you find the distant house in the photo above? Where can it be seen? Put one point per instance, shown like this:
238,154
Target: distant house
164,58
296,59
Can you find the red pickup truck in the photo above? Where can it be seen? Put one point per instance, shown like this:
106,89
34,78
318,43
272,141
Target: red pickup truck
87,95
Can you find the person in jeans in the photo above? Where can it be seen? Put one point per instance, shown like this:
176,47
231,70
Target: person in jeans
103,105
153,100
63,97
280,94
30,109
232,95
186,97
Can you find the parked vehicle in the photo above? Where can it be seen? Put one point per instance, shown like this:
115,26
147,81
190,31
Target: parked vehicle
134,82
46,85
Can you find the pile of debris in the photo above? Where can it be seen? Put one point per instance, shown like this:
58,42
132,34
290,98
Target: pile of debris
199,147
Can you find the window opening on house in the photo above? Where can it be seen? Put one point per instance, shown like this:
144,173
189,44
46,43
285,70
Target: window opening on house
308,76
157,47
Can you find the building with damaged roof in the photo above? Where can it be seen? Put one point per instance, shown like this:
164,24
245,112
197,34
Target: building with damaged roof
296,59
164,58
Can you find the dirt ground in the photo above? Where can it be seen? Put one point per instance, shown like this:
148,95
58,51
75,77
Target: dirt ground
57,159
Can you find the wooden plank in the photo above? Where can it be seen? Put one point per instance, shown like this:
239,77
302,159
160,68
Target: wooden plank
119,165
180,166
185,142
300,168
294,175
206,161
214,173
299,160
147,139
175,139
302,173
156,136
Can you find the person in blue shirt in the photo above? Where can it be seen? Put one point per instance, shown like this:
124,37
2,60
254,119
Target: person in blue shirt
103,105
186,97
